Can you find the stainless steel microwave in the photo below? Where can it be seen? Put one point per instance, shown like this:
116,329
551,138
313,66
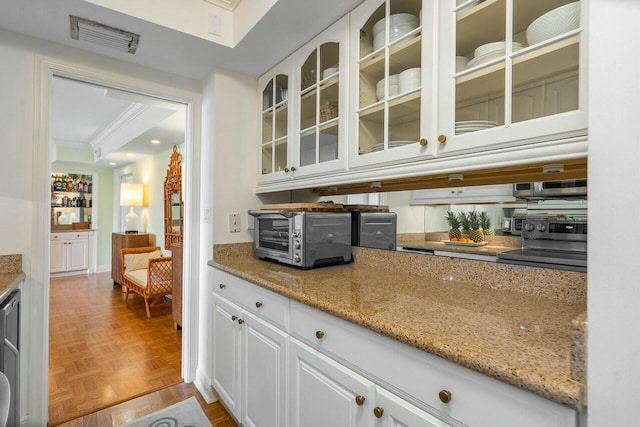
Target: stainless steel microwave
549,189
302,239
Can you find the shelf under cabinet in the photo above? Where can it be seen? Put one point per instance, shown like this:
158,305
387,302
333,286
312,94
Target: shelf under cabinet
403,109
404,54
541,63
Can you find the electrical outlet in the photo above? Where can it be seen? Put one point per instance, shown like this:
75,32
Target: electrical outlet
234,223
250,222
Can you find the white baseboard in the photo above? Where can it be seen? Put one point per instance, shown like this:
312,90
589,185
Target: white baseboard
202,383
103,268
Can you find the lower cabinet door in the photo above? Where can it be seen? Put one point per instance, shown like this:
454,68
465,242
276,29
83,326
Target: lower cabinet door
226,353
392,411
264,373
324,393
77,255
58,257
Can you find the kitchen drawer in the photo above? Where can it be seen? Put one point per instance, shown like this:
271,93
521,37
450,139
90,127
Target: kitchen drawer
419,377
74,235
253,298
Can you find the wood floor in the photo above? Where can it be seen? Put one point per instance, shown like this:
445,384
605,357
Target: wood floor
103,351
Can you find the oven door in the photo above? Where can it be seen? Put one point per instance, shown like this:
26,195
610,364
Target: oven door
574,187
273,236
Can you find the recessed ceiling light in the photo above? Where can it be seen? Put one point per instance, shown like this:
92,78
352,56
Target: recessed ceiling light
112,163
155,141
129,154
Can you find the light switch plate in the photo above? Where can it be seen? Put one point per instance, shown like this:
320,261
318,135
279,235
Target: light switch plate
234,223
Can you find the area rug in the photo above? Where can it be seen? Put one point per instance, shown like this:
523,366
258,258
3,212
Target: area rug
187,413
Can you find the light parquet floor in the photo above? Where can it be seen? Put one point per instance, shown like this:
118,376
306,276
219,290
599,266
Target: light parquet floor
104,351
147,404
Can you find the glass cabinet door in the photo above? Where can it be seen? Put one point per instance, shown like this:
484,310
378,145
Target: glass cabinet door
275,112
320,105
390,113
514,68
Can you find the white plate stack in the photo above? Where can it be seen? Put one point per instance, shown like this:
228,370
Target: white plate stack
394,86
558,21
490,51
467,126
399,25
391,144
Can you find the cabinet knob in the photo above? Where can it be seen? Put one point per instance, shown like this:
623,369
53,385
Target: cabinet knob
442,139
319,334
424,142
258,304
222,286
234,318
293,168
240,321
378,411
360,400
445,396
286,170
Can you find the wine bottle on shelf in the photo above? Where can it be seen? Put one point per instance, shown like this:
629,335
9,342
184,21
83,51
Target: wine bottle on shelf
69,186
89,187
57,184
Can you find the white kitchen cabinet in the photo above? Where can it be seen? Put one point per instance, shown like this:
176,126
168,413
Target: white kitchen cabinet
69,253
459,195
325,393
249,356
511,98
392,83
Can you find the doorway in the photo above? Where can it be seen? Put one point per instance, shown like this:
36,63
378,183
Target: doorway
122,152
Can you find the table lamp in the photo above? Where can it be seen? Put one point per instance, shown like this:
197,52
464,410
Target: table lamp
131,195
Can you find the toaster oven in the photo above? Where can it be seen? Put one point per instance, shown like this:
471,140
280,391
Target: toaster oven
302,239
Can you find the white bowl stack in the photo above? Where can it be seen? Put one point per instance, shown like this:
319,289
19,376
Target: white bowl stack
461,63
558,21
394,87
399,25
409,79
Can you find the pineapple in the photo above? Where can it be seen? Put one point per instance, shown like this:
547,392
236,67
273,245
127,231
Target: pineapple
476,233
485,223
454,224
464,222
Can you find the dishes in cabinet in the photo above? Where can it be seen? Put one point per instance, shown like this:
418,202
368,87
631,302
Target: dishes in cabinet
399,25
495,47
467,126
553,23
329,72
491,55
461,63
393,86
390,144
409,79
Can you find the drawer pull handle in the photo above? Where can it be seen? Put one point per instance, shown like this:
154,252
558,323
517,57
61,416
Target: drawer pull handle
442,139
319,334
378,411
233,318
240,321
222,286
445,396
424,142
258,304
360,400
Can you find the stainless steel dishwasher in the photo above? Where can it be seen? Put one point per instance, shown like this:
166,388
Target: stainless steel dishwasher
10,351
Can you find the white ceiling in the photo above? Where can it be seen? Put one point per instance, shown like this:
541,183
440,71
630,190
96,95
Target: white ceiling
84,117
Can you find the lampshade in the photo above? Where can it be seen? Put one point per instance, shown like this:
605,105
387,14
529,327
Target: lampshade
131,195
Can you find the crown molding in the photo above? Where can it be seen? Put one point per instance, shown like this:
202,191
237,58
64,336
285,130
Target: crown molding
225,4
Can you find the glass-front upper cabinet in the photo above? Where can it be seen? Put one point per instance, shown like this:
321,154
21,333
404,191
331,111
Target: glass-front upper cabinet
275,115
392,81
511,73
320,125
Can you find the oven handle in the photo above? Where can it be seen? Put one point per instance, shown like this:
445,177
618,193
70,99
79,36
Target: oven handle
287,214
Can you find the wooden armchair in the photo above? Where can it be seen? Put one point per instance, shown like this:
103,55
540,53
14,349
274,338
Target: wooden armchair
146,272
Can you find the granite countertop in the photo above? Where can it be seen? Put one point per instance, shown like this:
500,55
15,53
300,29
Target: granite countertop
521,339
11,274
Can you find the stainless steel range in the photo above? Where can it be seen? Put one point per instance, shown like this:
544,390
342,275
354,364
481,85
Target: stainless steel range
558,242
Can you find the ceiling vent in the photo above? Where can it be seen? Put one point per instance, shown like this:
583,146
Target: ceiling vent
95,32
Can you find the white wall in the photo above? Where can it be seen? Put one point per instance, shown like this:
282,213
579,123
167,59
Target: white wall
614,173
235,136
